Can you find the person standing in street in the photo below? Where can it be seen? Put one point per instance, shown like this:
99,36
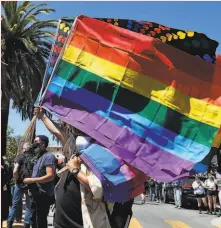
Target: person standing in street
218,182
159,187
18,213
19,192
199,191
78,189
142,195
151,183
210,185
42,196
177,194
79,193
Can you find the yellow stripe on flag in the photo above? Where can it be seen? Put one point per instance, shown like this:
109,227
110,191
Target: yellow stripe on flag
146,86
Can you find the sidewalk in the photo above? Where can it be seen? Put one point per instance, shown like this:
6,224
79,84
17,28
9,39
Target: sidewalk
21,225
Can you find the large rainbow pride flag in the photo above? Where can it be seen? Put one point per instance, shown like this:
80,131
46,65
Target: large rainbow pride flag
156,107
194,43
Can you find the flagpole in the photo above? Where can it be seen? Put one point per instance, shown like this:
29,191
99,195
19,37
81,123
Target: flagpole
48,63
59,57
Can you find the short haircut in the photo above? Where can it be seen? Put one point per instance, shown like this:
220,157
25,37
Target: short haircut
44,139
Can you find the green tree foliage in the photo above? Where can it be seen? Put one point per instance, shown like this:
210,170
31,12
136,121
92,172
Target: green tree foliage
25,46
12,144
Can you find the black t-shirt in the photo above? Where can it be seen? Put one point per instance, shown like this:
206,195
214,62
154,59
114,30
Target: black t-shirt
20,160
68,203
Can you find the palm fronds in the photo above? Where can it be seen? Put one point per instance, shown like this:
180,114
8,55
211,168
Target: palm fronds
26,43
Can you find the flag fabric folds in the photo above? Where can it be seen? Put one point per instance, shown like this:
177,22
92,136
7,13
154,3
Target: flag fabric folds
120,182
151,104
194,43
63,29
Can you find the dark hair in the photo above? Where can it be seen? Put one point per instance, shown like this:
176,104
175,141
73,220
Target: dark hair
44,139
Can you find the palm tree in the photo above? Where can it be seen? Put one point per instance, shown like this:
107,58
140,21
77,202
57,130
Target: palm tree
64,128
26,43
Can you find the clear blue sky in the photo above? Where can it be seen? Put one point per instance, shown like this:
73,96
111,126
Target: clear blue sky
203,17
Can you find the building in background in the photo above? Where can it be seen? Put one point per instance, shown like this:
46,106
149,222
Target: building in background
55,149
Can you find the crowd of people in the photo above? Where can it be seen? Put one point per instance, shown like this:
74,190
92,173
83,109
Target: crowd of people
153,189
77,195
206,192
77,192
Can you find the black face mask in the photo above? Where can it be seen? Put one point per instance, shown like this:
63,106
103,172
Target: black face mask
38,150
36,145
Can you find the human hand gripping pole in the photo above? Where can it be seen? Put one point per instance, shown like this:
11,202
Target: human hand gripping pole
72,163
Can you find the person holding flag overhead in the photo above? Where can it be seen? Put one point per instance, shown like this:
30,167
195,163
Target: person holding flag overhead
92,205
79,193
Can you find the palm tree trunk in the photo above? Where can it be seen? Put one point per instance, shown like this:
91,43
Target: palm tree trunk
4,122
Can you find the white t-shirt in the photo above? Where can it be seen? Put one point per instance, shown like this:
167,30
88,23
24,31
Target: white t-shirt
198,188
210,185
92,205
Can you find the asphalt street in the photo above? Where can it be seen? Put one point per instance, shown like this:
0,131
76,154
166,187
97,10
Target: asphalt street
154,215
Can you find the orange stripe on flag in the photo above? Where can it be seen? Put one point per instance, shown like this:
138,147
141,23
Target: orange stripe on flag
145,55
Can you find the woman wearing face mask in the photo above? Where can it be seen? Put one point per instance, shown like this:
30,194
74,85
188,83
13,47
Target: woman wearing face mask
199,191
210,184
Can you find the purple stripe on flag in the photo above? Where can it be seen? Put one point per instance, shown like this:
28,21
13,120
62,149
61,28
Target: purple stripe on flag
144,156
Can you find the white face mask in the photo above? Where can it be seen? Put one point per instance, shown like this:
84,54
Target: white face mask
82,142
